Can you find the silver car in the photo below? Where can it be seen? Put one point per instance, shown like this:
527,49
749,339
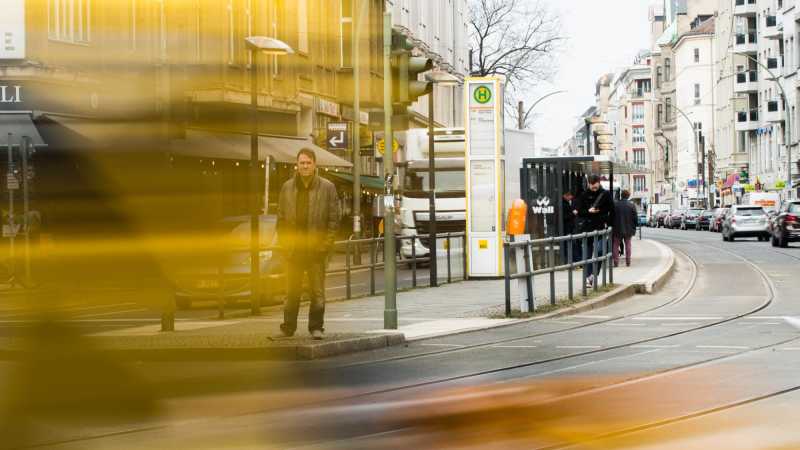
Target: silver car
745,221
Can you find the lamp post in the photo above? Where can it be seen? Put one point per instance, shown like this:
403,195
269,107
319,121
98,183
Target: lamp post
521,116
270,46
443,79
787,127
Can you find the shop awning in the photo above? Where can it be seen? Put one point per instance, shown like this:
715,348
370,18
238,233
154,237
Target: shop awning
18,126
209,144
375,184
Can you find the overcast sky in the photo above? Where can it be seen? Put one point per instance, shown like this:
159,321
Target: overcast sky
604,35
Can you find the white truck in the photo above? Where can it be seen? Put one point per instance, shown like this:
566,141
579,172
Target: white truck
770,201
449,148
451,203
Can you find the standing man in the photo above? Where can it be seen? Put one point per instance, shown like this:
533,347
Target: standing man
595,212
308,217
568,217
625,223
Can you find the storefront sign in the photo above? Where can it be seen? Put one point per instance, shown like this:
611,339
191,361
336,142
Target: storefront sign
10,94
12,30
327,107
543,207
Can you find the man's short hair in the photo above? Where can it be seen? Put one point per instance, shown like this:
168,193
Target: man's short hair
594,179
308,152
626,194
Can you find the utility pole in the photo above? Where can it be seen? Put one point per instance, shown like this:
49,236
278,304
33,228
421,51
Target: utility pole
389,260
520,114
357,9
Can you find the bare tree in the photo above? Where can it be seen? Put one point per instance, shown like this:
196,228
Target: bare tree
513,38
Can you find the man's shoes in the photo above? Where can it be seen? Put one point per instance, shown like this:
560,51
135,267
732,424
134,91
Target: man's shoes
590,282
628,263
317,335
284,333
616,263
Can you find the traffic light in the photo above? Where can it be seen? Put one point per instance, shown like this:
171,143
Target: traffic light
744,175
406,69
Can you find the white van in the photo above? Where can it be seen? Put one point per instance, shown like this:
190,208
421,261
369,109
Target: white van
770,201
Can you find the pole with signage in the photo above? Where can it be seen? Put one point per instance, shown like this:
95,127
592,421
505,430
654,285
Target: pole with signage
390,261
485,176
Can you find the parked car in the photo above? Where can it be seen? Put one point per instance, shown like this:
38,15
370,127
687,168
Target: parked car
689,219
226,273
745,221
674,219
704,220
786,224
716,221
657,219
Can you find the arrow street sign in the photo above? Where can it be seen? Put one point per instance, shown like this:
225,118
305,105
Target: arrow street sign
338,135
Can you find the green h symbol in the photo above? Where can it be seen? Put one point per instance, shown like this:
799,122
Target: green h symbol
483,94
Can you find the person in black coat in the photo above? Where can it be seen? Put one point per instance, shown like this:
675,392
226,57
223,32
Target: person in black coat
625,224
595,212
568,215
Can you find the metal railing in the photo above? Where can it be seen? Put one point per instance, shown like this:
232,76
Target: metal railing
375,262
547,250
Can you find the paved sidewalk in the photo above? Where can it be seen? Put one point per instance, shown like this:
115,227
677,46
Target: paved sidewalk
423,313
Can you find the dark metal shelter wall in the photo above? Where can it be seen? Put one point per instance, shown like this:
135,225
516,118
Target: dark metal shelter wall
547,179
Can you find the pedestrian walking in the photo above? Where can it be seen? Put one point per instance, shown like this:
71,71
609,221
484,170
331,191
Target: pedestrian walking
595,211
625,223
569,216
308,217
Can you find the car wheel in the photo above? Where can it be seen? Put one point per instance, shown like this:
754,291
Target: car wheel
183,303
783,242
773,241
731,238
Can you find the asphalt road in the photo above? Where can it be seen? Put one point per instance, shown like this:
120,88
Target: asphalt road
710,361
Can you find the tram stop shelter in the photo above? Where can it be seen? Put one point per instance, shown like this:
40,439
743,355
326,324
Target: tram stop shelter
543,181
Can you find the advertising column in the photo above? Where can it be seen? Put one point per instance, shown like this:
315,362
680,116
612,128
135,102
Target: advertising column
485,176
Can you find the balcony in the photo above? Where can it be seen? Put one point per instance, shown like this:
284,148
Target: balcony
747,121
745,8
775,112
775,66
747,43
746,82
773,30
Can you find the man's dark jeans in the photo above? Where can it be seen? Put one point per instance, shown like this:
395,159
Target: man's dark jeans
591,244
314,266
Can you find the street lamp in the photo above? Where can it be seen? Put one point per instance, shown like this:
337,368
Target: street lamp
521,116
275,47
441,78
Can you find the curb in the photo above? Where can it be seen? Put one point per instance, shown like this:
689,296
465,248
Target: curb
276,351
617,294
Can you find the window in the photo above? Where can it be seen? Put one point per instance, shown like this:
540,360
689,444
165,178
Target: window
697,56
638,135
638,156
276,8
639,183
660,116
668,119
659,76
346,33
667,69
70,20
638,112
697,94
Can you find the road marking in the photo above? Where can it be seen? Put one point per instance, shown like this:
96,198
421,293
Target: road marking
87,316
667,318
578,346
723,347
591,317
514,346
687,324
442,345
559,322
626,325
577,366
655,346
